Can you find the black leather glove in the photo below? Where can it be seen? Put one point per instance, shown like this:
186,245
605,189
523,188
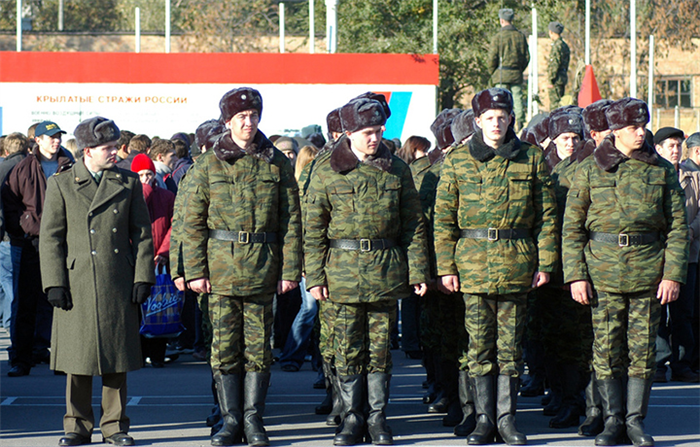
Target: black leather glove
141,291
60,297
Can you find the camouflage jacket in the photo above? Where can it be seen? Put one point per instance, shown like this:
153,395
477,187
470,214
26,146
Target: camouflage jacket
426,176
242,191
508,56
375,199
558,65
563,175
177,266
509,188
615,194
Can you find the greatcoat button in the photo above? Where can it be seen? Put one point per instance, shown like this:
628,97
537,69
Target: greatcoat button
93,252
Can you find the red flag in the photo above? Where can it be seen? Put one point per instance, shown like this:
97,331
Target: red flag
589,92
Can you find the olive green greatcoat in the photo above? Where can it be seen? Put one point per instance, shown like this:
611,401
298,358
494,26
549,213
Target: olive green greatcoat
362,200
616,194
96,241
510,190
508,56
253,191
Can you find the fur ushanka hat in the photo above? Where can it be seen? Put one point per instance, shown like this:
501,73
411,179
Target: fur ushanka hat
594,116
627,112
463,125
492,98
361,113
238,100
441,127
95,131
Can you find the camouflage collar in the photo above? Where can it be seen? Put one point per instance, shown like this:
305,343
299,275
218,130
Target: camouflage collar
508,150
343,159
608,157
226,150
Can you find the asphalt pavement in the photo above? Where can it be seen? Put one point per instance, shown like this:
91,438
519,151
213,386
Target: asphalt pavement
168,407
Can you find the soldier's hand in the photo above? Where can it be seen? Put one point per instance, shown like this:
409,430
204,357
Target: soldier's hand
180,284
581,292
201,285
540,279
320,293
420,289
60,297
668,291
449,284
140,292
285,286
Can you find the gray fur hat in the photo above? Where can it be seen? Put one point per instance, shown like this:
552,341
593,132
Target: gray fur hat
95,131
361,113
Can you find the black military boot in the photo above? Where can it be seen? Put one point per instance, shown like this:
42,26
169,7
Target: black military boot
326,406
254,395
351,430
611,396
556,392
333,418
506,401
638,391
431,380
228,390
570,411
485,405
442,398
466,400
593,424
451,386
378,398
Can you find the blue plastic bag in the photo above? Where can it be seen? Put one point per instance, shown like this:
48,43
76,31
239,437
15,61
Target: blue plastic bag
161,312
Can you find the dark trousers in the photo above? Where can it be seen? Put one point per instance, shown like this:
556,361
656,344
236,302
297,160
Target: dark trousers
79,416
410,320
676,327
34,314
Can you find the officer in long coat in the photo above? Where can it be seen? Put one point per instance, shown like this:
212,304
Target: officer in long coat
96,268
495,240
241,243
625,252
364,245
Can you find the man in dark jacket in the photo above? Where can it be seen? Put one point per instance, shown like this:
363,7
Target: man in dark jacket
508,58
96,268
23,202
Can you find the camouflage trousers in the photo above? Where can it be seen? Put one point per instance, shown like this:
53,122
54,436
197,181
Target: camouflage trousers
442,325
241,330
567,335
203,302
625,326
519,105
326,316
555,94
495,324
362,334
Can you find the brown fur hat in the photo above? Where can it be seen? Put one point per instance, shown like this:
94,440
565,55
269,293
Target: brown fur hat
361,113
441,127
492,98
333,121
377,97
238,100
627,112
594,116
95,131
463,125
205,131
563,123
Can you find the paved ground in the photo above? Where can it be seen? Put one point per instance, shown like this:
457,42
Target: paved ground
168,407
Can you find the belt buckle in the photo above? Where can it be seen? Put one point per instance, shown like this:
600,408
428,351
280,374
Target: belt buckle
492,234
365,245
623,240
243,237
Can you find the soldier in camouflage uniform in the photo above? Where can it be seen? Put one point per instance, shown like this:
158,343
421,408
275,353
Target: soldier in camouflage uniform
625,252
364,244
241,243
495,238
508,57
558,65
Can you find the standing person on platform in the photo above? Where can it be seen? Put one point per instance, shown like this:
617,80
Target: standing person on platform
241,242
495,239
508,57
558,65
364,245
625,252
96,268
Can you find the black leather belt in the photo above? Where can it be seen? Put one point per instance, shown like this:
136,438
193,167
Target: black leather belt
494,234
243,237
362,244
624,239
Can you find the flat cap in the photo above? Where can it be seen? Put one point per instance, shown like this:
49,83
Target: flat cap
556,27
492,98
693,140
239,100
627,112
668,132
95,131
506,14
